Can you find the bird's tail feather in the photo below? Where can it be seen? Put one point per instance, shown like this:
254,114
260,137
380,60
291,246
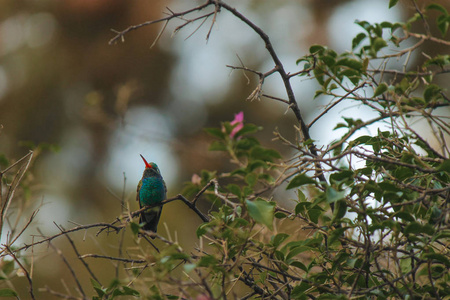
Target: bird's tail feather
150,218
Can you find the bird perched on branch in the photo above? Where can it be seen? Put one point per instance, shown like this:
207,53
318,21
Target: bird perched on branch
151,190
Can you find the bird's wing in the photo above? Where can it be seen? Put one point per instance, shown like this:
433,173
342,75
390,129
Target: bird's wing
165,189
137,192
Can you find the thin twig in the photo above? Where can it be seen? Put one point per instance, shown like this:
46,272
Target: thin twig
30,281
121,259
72,272
121,34
78,254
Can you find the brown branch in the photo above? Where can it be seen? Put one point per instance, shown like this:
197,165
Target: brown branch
192,206
30,281
72,272
14,184
216,11
24,228
126,260
78,254
293,105
275,98
121,34
48,239
194,201
59,295
278,65
335,103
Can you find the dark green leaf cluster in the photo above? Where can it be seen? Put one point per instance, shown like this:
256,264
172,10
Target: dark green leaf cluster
378,225
114,290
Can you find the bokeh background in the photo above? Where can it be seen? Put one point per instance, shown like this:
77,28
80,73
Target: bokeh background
102,105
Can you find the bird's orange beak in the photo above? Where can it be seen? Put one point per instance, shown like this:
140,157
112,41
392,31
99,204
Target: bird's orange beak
147,165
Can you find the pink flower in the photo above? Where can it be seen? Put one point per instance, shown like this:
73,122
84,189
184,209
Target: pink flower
239,120
196,179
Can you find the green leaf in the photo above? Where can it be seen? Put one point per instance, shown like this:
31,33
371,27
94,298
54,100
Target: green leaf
215,132
336,234
314,215
180,256
340,210
378,44
98,288
444,234
358,39
8,266
386,24
246,191
279,238
217,146
129,291
432,92
443,21
246,143
343,175
257,164
8,293
280,215
296,251
302,207
299,265
135,228
380,89
251,179
351,63
115,293
316,49
318,93
364,24
299,180
235,190
413,227
438,60
332,195
298,292
437,7
248,129
114,284
353,75
3,160
95,284
202,229
405,216
329,60
264,154
319,75
207,261
445,166
261,211
392,3
333,86
439,257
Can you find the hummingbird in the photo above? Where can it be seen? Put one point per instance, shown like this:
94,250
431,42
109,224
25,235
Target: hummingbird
151,190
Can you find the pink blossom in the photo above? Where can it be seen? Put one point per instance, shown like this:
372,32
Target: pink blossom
239,120
196,179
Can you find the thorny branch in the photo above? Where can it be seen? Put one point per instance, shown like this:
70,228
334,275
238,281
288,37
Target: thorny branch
24,270
264,261
279,67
